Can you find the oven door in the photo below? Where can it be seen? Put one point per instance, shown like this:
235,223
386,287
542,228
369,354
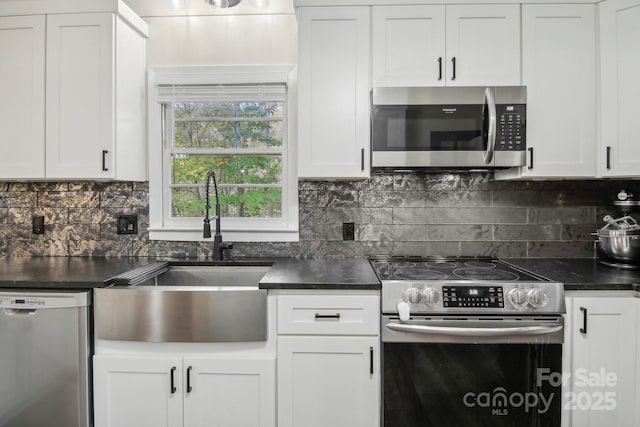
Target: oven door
442,374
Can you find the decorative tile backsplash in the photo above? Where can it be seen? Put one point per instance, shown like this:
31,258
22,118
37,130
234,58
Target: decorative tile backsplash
395,214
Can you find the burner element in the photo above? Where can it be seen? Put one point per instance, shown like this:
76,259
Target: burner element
440,264
420,274
472,273
480,264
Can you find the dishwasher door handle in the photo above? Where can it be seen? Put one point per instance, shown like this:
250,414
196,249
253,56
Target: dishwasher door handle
483,332
20,311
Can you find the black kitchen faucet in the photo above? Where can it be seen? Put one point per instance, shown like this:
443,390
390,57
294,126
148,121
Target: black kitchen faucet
218,244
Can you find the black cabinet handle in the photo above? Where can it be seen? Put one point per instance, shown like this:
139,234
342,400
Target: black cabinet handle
453,75
530,157
608,158
328,316
104,160
362,159
583,330
189,388
173,384
440,68
371,360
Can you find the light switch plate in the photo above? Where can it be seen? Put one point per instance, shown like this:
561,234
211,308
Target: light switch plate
128,224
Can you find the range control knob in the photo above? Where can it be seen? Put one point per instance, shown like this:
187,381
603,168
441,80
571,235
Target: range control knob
404,311
518,298
431,296
537,297
413,295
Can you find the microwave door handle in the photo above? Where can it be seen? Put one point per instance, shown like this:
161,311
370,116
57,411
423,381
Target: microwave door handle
490,104
478,332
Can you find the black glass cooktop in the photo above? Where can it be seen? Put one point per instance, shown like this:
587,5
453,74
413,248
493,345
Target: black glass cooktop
454,268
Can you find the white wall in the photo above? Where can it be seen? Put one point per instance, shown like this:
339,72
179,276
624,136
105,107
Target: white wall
191,32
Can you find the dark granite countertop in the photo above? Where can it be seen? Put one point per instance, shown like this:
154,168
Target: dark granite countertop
63,273
581,273
88,273
321,274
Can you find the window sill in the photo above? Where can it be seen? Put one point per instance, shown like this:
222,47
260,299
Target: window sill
195,235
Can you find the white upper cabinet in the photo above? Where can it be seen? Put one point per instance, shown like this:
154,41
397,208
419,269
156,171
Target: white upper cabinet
333,92
483,45
22,71
453,45
95,98
558,69
82,115
409,46
619,152
80,101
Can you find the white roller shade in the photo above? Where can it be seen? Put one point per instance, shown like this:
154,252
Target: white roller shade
221,93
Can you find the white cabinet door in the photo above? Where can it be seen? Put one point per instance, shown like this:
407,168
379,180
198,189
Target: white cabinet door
637,356
22,76
137,391
603,361
328,381
333,92
230,392
567,356
561,90
408,46
483,45
80,95
619,154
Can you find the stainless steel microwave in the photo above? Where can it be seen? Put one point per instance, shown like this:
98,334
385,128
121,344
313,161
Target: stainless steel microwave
448,127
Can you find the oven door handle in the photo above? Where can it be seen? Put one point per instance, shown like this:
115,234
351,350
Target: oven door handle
482,332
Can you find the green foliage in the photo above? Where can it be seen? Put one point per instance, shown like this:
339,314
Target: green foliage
234,125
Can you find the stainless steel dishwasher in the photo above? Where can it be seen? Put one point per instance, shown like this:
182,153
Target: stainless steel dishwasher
44,358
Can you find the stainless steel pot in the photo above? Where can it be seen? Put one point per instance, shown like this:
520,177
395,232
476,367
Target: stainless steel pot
619,246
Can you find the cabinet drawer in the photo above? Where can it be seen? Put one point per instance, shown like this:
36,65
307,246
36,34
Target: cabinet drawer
329,314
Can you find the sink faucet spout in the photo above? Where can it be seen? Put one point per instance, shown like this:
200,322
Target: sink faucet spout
218,244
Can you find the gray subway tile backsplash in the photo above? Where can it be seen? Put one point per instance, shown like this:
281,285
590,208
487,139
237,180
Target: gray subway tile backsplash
394,214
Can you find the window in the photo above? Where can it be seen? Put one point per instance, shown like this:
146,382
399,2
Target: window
236,123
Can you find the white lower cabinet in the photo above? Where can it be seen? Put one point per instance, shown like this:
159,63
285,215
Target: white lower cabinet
190,391
328,381
601,386
328,360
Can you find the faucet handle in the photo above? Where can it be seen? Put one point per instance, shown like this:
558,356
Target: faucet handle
226,245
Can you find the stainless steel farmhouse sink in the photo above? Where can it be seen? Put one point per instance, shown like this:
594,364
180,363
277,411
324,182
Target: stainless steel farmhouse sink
185,303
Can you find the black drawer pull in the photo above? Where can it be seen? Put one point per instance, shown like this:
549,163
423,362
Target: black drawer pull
104,160
453,75
371,360
328,316
189,388
583,330
173,385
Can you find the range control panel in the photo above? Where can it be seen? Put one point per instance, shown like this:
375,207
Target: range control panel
511,127
472,296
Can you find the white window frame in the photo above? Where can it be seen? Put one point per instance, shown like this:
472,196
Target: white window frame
164,227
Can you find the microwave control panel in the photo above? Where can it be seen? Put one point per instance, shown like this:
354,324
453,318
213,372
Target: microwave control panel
511,127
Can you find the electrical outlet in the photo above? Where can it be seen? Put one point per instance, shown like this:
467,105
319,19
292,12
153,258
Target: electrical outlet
38,224
348,231
128,224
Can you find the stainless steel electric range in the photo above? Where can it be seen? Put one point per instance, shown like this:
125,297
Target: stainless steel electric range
469,341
